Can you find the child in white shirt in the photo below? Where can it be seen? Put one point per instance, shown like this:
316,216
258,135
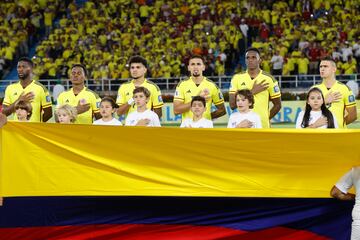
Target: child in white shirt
142,116
244,118
198,107
107,110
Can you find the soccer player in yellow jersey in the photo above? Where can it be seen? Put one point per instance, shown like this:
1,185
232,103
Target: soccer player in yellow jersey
79,96
261,84
198,85
338,97
28,90
138,69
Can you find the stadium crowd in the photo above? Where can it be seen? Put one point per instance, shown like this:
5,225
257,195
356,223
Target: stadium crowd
292,35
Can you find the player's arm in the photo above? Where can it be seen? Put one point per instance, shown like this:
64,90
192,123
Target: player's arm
276,107
180,107
8,109
336,193
232,101
123,109
220,111
47,113
158,111
3,121
351,114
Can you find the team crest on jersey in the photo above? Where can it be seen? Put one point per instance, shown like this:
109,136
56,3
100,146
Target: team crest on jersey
351,98
48,99
276,89
160,98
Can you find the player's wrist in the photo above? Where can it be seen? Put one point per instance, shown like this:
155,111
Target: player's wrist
130,101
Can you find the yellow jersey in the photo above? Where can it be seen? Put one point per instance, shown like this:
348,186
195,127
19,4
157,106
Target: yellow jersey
187,89
85,96
41,100
125,92
338,108
261,100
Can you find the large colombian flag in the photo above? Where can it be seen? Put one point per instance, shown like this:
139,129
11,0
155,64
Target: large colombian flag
101,182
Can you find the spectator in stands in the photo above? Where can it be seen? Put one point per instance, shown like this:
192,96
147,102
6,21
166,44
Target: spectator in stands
262,85
198,85
277,62
30,91
138,69
338,97
349,67
80,97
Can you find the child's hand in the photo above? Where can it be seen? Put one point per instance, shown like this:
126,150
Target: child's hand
245,124
143,122
333,97
320,122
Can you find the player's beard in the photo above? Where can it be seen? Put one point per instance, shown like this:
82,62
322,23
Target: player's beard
24,76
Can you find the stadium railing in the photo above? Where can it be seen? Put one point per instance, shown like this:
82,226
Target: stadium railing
168,85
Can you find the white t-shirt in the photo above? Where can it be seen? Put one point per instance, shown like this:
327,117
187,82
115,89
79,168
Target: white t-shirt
202,123
350,179
237,117
113,122
314,115
277,62
133,118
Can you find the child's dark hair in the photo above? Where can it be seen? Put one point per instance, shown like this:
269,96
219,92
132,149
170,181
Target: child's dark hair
138,59
324,110
248,95
25,106
198,99
143,90
111,101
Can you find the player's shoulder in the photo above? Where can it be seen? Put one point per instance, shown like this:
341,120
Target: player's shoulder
343,86
125,84
64,93
40,85
152,85
239,74
211,82
268,75
92,93
183,82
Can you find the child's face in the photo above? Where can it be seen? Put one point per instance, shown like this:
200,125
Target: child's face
315,100
197,108
242,103
21,114
63,117
140,99
106,109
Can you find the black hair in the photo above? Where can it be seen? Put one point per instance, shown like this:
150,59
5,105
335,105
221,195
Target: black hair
110,100
253,50
138,59
27,60
248,95
197,56
80,66
198,99
324,110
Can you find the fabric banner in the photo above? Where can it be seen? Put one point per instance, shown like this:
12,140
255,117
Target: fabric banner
79,160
